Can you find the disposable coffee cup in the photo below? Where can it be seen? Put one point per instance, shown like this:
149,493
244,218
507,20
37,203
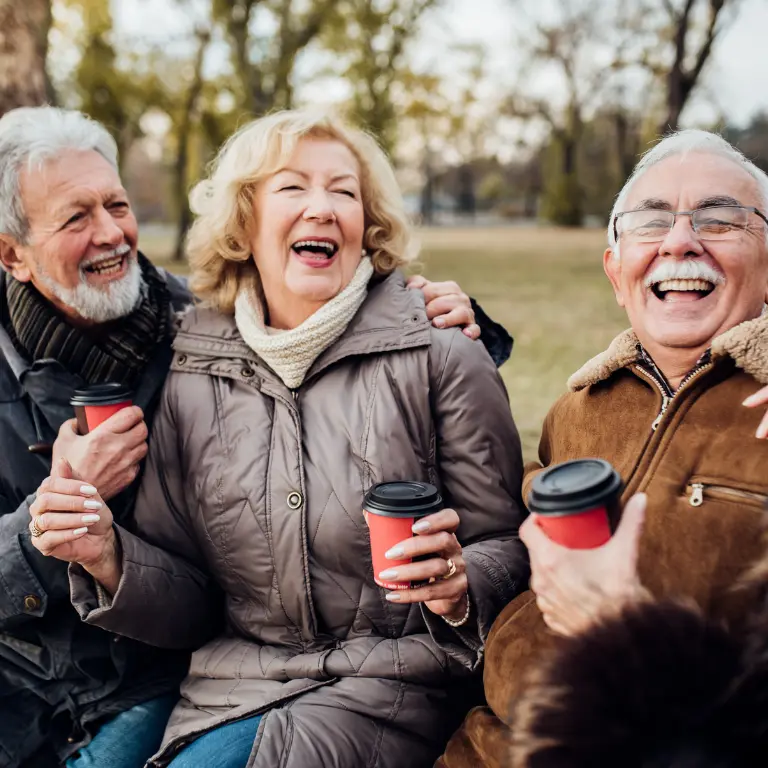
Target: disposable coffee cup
576,503
96,403
392,509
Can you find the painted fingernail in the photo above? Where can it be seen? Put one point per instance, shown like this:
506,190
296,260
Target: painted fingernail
439,322
390,573
92,504
79,531
394,553
90,519
393,597
420,527
88,490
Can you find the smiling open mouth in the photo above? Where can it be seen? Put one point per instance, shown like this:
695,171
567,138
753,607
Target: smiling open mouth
111,263
696,289
319,250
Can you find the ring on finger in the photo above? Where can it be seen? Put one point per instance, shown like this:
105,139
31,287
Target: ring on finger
451,569
34,530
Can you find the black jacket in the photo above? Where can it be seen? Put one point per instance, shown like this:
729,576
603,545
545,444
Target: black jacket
59,677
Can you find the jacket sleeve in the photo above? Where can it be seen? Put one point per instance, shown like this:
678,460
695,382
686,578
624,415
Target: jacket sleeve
165,596
493,335
29,582
548,444
479,461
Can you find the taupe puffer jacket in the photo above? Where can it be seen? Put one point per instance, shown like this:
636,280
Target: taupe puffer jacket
254,549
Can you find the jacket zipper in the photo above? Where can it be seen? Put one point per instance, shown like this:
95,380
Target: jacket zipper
696,496
666,395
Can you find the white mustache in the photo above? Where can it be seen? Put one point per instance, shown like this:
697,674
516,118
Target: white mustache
689,269
121,250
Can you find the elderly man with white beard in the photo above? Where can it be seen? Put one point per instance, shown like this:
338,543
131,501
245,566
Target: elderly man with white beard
665,405
79,304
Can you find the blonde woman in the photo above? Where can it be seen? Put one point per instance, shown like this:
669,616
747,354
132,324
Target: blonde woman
311,373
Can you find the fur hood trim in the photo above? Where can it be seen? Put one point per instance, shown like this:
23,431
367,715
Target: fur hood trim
746,345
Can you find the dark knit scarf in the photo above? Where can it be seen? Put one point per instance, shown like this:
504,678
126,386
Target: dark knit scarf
115,351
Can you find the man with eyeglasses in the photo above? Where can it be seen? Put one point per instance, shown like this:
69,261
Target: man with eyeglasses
664,404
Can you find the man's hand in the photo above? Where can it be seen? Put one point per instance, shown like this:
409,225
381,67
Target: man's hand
447,305
576,587
753,401
108,457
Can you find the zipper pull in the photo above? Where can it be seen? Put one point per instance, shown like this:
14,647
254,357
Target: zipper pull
657,420
697,494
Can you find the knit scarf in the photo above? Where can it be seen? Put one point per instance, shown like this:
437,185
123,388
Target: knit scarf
115,351
291,353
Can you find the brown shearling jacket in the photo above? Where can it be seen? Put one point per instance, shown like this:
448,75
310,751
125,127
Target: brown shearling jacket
695,455
252,545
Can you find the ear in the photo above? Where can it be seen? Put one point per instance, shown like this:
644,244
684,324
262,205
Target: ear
10,258
612,268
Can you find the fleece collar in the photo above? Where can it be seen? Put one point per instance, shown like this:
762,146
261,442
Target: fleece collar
746,344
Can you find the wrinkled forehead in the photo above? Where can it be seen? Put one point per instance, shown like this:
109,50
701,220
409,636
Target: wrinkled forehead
682,181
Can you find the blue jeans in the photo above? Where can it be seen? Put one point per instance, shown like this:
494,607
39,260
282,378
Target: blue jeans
227,747
128,740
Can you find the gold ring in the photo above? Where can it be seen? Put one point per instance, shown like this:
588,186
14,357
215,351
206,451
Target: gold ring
33,529
451,569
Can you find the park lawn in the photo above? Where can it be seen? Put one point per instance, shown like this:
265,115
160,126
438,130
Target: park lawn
546,286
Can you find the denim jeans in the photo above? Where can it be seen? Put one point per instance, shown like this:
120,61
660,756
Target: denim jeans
227,747
128,740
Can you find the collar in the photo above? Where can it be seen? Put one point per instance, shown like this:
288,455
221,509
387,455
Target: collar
391,318
746,344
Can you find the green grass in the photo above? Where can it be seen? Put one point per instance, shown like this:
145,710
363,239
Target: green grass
546,286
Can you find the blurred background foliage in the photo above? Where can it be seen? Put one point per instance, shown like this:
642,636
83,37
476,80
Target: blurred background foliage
617,75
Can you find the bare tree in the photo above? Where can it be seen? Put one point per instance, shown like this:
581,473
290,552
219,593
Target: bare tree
265,67
24,29
183,134
689,55
585,45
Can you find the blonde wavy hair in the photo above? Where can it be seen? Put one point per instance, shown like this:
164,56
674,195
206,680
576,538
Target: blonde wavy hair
218,242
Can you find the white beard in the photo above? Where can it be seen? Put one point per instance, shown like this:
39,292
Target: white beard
100,305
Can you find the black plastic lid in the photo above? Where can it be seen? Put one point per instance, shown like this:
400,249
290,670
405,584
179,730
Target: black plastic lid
574,486
403,499
102,394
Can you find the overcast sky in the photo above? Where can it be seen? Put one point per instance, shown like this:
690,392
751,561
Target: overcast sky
736,80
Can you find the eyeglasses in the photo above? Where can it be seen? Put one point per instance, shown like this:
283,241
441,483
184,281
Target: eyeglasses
720,222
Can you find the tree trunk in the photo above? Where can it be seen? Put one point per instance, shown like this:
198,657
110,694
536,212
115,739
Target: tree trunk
682,79
181,181
627,143
24,29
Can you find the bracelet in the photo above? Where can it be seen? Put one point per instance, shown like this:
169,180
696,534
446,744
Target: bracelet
462,621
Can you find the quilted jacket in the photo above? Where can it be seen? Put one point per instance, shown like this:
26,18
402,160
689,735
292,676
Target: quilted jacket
254,549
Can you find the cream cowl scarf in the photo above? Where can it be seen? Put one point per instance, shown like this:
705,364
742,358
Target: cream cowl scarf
290,354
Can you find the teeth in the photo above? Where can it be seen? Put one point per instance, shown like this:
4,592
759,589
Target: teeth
684,285
329,247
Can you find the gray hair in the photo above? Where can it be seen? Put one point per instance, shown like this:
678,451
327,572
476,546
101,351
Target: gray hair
680,143
30,136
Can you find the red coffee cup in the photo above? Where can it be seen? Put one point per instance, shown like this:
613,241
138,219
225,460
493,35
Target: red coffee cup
392,509
576,503
96,403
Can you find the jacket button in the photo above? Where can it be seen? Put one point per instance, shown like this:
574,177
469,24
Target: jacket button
181,359
295,500
247,372
32,603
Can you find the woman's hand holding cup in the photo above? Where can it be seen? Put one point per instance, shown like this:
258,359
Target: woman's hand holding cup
444,576
71,522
